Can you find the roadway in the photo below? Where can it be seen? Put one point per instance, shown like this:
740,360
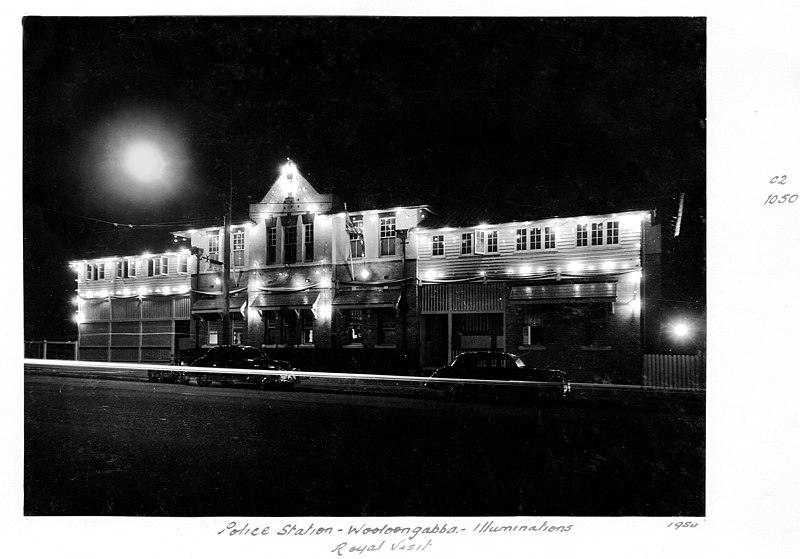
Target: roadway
109,447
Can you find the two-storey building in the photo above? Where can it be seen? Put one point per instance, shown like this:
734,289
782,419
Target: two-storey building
133,308
307,274
565,292
320,283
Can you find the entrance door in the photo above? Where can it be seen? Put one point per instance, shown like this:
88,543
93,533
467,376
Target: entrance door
434,353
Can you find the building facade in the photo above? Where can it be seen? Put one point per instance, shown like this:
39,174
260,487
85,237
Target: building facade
133,308
399,288
562,292
305,277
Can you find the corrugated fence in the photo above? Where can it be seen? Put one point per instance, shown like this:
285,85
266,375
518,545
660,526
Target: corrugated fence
675,371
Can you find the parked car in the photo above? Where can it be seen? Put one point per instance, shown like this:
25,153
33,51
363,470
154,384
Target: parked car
498,374
241,357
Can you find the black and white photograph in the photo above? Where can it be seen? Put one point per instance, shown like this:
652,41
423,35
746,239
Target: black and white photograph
368,284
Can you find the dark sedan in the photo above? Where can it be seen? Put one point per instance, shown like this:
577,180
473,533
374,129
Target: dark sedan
241,357
500,375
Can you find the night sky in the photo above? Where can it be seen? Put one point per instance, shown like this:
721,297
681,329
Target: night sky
552,115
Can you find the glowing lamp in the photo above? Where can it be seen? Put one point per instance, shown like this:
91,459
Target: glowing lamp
681,330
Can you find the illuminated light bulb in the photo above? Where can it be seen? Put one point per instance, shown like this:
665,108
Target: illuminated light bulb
636,304
681,330
364,273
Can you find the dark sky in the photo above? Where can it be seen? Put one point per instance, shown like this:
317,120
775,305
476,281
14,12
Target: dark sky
539,113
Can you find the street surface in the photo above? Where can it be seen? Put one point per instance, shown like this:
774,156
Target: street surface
109,447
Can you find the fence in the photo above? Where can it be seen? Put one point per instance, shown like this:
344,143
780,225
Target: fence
675,371
51,350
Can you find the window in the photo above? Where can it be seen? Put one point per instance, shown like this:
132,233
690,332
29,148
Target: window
308,327
597,234
355,326
491,241
582,236
536,238
357,236
466,243
213,245
88,272
437,245
290,243
154,267
612,232
388,234
238,247
213,333
122,270
485,241
533,330
164,265
272,245
183,264
132,268
522,239
549,237
101,271
308,241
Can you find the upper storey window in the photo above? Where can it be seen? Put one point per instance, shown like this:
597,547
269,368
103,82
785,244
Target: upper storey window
486,242
238,247
355,231
536,238
388,234
437,245
601,233
213,245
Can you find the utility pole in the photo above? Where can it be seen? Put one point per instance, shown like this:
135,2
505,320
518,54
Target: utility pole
226,268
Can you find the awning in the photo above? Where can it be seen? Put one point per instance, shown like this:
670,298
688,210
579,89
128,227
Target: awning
215,305
564,293
372,298
292,300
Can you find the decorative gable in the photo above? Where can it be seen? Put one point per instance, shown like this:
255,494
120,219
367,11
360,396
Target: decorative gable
291,193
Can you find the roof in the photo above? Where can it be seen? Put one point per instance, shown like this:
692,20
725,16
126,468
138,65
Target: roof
464,215
361,298
214,305
291,300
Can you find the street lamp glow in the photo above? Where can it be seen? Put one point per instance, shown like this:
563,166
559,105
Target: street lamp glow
680,330
144,162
